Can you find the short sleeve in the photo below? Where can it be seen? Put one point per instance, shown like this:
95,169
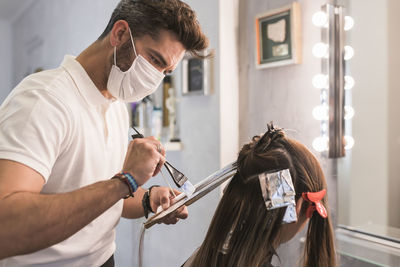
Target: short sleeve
33,129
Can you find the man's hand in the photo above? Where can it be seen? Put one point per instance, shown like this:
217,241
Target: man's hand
144,159
162,196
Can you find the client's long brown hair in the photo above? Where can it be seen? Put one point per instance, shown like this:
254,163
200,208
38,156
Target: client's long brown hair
243,233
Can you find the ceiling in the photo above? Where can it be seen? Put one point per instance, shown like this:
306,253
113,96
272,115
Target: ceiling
10,9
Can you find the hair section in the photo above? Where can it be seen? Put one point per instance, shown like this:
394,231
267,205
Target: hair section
243,232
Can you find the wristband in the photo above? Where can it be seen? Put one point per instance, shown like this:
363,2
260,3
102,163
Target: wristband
146,202
129,181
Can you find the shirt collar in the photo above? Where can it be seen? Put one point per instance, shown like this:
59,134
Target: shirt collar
85,85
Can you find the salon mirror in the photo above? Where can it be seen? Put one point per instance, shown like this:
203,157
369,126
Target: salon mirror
369,175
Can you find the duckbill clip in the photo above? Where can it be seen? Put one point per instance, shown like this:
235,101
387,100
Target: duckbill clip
314,198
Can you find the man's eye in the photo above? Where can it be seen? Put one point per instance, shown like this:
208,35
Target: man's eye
153,59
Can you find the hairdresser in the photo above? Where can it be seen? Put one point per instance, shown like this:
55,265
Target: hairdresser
67,172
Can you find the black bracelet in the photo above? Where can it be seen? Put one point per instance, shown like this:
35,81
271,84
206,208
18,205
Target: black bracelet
151,187
146,202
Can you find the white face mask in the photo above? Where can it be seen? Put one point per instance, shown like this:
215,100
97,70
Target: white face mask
139,81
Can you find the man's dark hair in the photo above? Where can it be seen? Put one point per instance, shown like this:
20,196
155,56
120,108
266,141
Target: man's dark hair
151,16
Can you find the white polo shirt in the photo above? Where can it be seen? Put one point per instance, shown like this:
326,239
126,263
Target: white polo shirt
59,124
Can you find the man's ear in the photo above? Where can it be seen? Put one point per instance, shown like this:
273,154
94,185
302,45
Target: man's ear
119,33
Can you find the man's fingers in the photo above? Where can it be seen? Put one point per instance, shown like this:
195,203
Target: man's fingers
163,197
161,149
158,146
182,212
177,192
173,218
170,219
158,169
173,221
159,165
164,200
144,158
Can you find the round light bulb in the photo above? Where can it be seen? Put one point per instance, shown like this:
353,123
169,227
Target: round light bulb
348,52
320,19
348,142
348,82
320,81
320,50
321,112
320,144
348,23
348,112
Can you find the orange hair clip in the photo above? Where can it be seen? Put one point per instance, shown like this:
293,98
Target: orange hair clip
315,199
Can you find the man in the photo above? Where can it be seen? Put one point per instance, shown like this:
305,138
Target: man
63,135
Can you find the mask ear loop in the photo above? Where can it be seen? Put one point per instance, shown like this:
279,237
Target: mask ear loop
115,55
133,44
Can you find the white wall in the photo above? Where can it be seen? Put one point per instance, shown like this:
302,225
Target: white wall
229,79
6,63
50,29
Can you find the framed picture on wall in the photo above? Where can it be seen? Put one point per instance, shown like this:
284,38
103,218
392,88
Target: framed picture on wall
278,37
196,76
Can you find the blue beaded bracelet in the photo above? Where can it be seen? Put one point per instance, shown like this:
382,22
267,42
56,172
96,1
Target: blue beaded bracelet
131,181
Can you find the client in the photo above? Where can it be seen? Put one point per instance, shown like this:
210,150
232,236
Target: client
244,232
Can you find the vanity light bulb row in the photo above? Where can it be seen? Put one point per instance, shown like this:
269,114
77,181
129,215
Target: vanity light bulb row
321,112
320,19
321,143
321,50
321,82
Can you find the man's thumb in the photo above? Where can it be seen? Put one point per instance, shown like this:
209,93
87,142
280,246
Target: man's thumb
165,202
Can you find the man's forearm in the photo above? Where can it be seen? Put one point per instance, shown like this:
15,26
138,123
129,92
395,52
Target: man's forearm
133,206
30,221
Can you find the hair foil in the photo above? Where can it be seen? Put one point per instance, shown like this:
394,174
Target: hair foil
278,192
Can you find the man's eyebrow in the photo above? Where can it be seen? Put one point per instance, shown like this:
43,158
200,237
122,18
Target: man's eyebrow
159,57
